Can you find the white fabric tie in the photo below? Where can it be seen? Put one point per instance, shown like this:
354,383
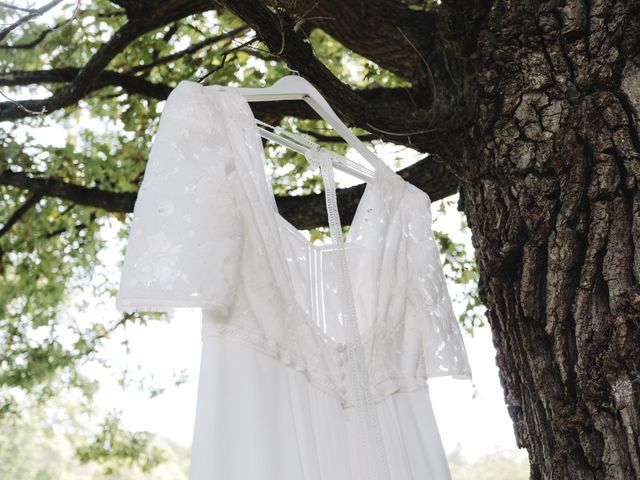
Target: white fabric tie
375,464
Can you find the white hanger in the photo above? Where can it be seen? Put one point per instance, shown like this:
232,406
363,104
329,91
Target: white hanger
343,163
293,87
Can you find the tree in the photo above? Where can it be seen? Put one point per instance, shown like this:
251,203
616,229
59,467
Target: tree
42,443
527,109
498,465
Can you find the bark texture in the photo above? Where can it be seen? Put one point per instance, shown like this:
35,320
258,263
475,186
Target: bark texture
551,195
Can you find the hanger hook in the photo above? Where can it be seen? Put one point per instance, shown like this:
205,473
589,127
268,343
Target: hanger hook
318,156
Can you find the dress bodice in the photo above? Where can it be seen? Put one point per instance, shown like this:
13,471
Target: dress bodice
206,233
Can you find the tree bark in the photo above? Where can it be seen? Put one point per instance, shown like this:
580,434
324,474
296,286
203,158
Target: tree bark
551,195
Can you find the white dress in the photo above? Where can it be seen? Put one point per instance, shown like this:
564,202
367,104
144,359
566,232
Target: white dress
287,391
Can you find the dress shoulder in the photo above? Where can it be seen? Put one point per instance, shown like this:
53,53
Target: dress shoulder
186,233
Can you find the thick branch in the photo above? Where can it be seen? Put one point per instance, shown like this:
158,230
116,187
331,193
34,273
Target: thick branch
305,211
50,187
129,83
432,49
417,126
371,30
385,98
19,213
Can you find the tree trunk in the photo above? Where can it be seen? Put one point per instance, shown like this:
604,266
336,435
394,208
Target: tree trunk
551,196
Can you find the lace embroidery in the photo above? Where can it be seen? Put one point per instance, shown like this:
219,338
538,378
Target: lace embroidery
187,221
198,238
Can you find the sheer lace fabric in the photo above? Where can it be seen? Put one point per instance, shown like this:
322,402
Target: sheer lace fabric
206,233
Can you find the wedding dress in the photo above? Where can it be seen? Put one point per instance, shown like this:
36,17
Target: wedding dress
286,390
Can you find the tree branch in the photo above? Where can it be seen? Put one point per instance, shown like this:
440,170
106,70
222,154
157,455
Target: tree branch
20,9
385,98
37,40
134,28
19,213
336,138
51,187
304,211
429,48
74,91
191,49
377,38
130,83
418,127
33,13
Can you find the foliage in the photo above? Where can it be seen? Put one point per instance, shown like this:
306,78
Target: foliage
115,446
499,465
41,444
460,268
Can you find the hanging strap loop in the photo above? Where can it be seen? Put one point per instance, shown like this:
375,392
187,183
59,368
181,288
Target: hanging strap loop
374,458
318,157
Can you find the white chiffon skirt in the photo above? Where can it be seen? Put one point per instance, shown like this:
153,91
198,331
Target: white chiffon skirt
257,419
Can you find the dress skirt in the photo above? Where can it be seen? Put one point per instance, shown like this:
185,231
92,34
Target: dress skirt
258,419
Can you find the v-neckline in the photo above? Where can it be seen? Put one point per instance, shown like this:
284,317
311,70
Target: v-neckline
282,223
354,226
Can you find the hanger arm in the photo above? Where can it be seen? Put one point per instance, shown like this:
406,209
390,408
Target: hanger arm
279,135
293,87
340,162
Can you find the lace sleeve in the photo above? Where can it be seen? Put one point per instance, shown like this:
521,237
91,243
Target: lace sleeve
185,237
443,346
